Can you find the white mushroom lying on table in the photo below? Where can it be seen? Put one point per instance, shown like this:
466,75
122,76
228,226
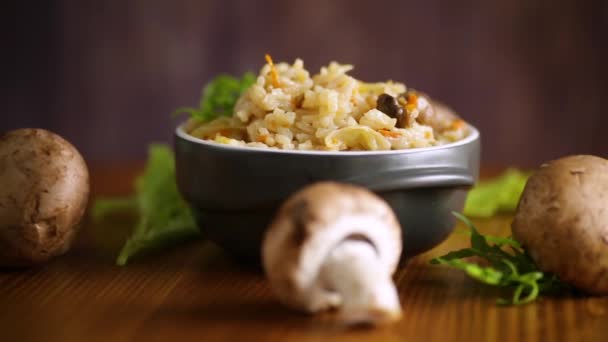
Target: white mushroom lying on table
335,246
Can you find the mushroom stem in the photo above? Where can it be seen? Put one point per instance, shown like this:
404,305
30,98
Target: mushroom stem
367,291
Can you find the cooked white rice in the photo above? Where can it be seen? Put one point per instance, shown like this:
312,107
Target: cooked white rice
329,111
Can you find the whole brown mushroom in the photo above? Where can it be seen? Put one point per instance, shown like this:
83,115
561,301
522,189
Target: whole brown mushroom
562,221
44,188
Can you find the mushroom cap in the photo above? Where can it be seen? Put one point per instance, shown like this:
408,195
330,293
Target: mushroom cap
438,115
310,224
562,221
44,188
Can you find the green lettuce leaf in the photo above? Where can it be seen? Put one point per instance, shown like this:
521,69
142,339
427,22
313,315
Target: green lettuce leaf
493,196
219,97
164,219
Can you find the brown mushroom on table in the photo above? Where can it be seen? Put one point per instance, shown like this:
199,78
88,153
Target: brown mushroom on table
562,221
334,245
44,188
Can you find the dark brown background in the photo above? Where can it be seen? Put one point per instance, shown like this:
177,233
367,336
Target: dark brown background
531,74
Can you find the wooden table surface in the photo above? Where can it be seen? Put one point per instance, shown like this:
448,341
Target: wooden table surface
197,293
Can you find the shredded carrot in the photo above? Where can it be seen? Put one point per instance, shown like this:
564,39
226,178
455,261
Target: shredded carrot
457,124
262,138
389,134
412,98
273,72
412,102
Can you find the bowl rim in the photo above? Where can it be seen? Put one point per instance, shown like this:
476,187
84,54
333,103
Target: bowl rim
181,133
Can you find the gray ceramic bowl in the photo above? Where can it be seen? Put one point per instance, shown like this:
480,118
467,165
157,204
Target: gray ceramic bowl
234,191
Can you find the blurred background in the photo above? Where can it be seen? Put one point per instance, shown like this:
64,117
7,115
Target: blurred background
531,74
